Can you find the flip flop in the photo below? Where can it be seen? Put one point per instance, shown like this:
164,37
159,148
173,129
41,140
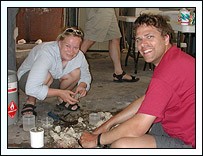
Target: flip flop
29,109
63,105
119,78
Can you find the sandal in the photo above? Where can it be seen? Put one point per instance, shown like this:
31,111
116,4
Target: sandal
120,78
70,107
29,108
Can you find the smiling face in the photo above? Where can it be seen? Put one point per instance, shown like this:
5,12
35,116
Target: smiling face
151,44
69,47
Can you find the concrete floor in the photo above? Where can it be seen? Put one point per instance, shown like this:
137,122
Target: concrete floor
104,95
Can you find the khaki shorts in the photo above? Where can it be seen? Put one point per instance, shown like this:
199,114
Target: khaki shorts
101,25
23,80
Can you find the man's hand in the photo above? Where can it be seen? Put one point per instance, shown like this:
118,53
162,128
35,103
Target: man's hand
88,140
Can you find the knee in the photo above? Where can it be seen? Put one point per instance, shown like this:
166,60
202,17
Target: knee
118,144
73,75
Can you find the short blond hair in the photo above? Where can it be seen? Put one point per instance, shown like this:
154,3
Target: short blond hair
70,31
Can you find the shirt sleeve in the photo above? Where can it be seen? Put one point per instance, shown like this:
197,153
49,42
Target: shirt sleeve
35,83
85,74
157,96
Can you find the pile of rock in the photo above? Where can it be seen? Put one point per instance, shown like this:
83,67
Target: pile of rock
68,138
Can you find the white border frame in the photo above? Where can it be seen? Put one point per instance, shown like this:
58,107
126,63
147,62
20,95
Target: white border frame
151,4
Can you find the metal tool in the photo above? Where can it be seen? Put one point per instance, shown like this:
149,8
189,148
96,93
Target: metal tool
55,116
66,114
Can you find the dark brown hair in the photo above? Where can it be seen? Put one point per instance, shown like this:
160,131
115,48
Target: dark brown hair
158,21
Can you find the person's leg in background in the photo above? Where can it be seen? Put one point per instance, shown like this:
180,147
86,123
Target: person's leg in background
114,52
86,44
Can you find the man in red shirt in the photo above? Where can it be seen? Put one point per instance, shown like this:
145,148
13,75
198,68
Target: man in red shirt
165,116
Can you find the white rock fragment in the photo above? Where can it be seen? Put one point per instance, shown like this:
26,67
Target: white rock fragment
70,131
99,123
38,41
21,41
54,135
66,139
80,120
57,129
104,116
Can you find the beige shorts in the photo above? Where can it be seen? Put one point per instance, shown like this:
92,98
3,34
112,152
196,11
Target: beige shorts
101,24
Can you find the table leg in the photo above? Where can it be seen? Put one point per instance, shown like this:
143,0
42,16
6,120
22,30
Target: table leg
123,40
178,39
189,50
131,49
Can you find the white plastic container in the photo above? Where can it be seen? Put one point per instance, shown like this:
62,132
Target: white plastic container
94,118
28,122
37,137
47,122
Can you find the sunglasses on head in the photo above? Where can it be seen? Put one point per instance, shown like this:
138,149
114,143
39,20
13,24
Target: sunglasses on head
74,31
